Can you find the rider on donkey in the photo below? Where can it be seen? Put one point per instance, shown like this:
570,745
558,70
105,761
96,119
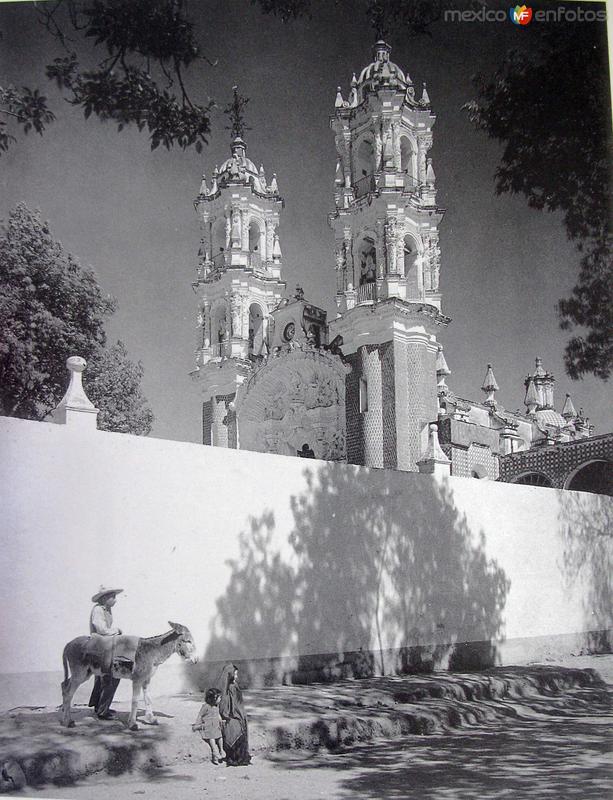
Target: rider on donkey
101,622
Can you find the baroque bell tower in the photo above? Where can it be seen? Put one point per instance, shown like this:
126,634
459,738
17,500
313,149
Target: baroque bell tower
238,279
387,261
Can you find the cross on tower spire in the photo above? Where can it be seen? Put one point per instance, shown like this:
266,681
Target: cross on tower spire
236,114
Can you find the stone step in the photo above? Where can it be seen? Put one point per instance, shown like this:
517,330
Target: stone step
330,716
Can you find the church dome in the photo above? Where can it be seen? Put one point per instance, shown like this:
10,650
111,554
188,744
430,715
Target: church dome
550,418
238,156
246,163
240,169
382,71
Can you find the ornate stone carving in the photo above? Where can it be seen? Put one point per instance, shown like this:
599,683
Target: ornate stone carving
228,231
340,257
236,315
424,143
294,400
270,237
432,263
388,146
396,146
399,247
236,228
390,244
244,229
348,242
341,266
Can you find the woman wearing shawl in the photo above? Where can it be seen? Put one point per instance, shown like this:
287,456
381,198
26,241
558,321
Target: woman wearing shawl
232,711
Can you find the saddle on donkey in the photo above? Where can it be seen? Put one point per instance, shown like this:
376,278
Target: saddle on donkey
113,655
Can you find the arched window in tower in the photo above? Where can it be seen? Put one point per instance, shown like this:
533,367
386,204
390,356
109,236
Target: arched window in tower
219,331
256,332
255,255
367,260
364,168
411,268
407,164
219,241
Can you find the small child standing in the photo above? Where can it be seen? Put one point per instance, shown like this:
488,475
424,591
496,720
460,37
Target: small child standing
208,723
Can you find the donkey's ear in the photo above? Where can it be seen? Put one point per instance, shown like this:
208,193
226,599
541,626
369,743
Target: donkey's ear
177,628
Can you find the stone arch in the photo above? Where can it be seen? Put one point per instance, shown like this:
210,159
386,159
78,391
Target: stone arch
533,479
365,250
408,160
594,476
219,327
257,331
255,236
219,235
364,160
364,164
411,265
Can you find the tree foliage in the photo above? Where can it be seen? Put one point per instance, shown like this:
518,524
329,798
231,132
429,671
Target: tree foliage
551,110
112,383
142,49
26,108
405,17
52,308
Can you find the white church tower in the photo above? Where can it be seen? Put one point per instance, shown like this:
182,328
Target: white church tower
238,279
387,264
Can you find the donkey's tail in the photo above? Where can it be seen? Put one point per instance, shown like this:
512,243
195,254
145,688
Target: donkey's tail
65,664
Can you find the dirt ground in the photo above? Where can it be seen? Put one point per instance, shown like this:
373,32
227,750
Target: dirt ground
554,747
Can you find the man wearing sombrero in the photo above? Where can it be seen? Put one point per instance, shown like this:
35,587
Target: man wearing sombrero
101,622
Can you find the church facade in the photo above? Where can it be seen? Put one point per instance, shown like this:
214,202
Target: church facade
368,387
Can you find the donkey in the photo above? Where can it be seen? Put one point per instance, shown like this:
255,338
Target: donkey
149,654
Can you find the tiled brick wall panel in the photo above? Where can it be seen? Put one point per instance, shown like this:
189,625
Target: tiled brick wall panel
372,420
207,419
355,439
421,402
390,458
556,462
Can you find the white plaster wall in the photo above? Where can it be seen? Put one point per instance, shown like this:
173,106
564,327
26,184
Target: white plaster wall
161,519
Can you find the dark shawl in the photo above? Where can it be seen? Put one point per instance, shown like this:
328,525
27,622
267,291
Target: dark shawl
231,706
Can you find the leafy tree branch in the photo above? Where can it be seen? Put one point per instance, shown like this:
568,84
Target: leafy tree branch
551,111
52,308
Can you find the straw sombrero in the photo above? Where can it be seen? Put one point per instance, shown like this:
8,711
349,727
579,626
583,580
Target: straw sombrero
103,591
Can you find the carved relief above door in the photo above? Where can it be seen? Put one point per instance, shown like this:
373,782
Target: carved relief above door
295,399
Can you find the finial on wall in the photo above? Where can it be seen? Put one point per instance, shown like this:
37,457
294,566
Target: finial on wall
76,407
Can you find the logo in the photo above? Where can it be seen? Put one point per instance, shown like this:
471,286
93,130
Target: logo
520,15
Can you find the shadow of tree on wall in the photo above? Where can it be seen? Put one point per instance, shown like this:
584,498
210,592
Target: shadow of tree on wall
384,577
257,613
586,527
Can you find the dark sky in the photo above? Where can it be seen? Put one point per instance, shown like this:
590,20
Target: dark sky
128,212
